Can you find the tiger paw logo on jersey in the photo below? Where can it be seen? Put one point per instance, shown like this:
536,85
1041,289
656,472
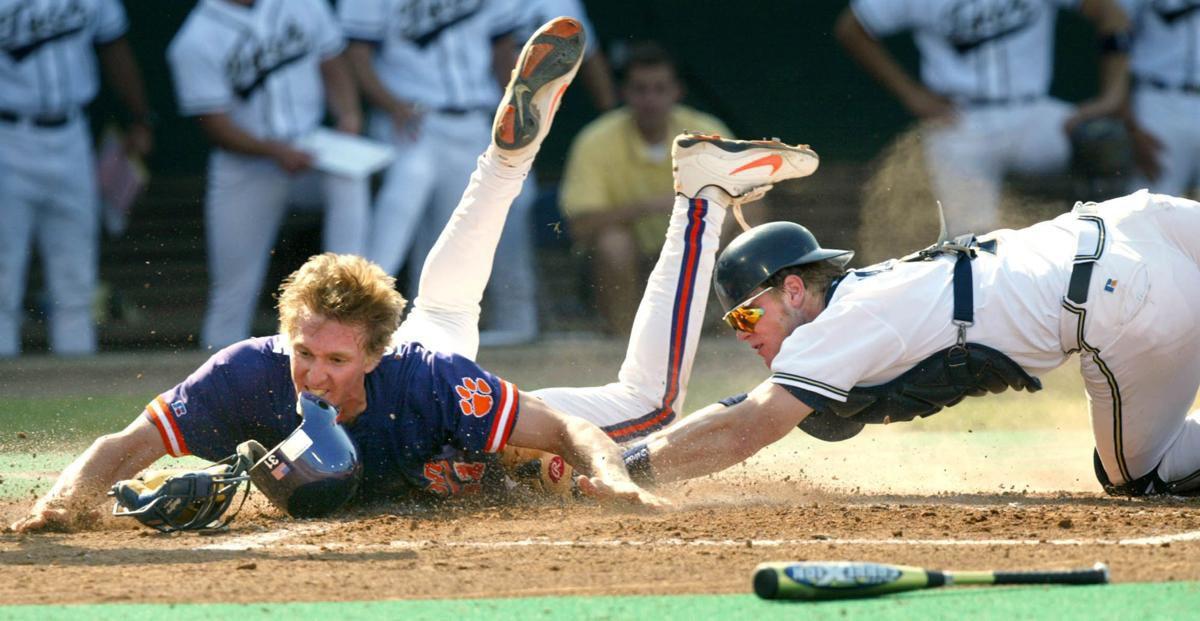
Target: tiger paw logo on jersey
474,397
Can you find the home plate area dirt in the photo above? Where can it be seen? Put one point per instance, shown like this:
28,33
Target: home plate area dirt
553,547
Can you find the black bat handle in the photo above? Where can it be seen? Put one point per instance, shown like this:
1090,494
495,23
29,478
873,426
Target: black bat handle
1095,575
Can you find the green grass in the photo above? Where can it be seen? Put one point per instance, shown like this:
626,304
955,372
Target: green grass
55,419
1119,602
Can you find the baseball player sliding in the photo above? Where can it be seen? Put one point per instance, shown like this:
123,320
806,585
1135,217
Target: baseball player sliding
422,414
983,90
48,61
401,401
1115,282
256,75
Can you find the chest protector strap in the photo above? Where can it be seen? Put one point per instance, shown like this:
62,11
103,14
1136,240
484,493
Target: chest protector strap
946,377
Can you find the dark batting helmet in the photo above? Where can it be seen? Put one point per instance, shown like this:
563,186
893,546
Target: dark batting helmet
315,470
755,255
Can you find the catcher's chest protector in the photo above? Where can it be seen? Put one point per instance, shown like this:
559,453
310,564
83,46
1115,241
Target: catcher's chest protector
941,380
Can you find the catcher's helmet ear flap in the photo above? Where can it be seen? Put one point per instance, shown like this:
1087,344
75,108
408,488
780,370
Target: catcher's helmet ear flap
183,500
315,470
755,255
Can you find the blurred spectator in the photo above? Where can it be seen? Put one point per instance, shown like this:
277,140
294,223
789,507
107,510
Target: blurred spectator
256,75
983,94
432,74
510,303
1165,124
617,189
47,192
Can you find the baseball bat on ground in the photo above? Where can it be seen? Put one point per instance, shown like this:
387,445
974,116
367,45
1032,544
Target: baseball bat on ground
838,580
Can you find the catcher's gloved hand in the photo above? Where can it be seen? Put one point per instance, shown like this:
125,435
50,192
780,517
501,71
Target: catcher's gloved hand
539,472
183,499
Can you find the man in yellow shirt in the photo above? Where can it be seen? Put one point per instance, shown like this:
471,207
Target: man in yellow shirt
617,189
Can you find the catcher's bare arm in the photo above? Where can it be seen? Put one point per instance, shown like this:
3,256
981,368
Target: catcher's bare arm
584,446
341,93
718,437
109,459
881,65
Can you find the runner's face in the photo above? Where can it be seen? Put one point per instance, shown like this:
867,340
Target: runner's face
328,360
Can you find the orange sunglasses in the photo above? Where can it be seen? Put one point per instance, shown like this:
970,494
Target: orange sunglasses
742,318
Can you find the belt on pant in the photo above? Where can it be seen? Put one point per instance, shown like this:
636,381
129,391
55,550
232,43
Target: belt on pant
1162,85
1088,249
453,111
1090,240
47,121
983,102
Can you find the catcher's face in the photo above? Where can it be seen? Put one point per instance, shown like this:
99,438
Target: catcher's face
328,360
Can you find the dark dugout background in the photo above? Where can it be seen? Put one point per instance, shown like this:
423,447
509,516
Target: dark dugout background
768,68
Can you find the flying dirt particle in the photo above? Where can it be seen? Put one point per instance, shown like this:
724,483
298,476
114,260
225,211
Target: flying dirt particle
898,533
249,566
1065,523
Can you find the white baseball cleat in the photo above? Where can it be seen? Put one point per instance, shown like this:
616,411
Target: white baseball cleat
743,169
545,68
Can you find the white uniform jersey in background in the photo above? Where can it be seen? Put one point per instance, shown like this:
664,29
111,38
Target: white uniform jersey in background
259,64
47,64
977,49
48,196
1166,40
430,50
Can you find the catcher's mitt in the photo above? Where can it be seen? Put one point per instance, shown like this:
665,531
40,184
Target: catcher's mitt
173,500
539,472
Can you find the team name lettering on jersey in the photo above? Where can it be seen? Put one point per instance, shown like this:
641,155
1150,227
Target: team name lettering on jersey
249,66
972,23
1172,11
423,21
454,478
24,29
474,397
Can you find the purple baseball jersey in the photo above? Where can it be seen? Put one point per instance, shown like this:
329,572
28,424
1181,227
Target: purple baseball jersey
425,412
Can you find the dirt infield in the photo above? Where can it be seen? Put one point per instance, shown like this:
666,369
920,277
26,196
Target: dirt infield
568,548
965,490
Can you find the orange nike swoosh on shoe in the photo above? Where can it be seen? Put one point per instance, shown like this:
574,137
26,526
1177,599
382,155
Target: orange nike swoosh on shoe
773,160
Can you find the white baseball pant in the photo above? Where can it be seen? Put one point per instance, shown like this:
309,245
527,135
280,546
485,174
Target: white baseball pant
1173,117
246,202
1141,365
48,193
968,159
652,381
